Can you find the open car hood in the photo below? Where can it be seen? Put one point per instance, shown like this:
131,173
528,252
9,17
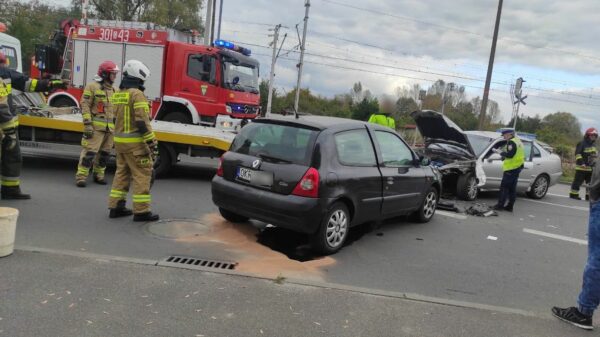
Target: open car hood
436,128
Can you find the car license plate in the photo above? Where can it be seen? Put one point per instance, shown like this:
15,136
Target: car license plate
253,177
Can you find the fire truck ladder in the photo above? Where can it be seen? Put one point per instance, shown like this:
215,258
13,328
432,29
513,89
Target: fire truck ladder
68,57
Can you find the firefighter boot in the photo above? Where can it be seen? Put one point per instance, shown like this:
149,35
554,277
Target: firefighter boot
120,211
13,193
99,180
80,183
145,217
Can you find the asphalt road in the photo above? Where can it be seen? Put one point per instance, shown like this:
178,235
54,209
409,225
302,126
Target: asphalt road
506,261
51,295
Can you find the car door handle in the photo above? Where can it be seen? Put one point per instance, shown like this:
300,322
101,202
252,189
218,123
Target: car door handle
390,181
185,89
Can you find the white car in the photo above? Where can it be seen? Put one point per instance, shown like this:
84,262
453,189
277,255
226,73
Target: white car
468,164
542,168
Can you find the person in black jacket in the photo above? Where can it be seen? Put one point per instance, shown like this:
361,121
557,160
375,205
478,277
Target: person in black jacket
585,156
10,167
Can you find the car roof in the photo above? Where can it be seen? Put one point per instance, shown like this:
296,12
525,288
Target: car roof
317,122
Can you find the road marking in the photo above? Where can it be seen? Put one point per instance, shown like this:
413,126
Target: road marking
555,236
586,209
557,195
452,215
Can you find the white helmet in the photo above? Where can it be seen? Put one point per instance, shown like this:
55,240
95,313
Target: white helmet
137,69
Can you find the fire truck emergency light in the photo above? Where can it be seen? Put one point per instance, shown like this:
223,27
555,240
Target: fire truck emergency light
231,46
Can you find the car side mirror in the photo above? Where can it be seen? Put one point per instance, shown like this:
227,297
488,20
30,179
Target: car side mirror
425,161
494,157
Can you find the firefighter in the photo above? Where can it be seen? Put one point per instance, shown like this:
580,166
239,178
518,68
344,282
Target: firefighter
135,145
11,152
383,117
585,157
98,125
513,156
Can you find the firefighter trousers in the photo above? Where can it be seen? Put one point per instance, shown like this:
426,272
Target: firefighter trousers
135,170
581,176
11,163
95,153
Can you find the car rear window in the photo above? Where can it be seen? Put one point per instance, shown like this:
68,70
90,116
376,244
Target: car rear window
276,142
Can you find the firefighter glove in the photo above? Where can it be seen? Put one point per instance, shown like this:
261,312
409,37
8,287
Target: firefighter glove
153,146
88,131
59,84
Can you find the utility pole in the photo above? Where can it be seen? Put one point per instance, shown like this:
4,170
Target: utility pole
220,18
272,75
488,79
208,23
300,65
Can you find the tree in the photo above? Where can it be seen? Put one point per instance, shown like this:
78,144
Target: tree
178,14
363,110
560,128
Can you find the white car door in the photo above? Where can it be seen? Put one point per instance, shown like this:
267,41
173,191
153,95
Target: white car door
529,171
492,166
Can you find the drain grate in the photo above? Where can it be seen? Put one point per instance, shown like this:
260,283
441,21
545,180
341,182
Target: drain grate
195,263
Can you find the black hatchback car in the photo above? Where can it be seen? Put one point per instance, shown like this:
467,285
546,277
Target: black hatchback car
321,176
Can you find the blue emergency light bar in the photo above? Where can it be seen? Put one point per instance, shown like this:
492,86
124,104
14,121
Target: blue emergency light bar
231,46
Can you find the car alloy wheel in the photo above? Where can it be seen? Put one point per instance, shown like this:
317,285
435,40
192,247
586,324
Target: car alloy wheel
472,185
337,228
430,205
541,187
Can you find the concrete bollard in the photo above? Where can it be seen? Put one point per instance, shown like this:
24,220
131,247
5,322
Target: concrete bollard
8,228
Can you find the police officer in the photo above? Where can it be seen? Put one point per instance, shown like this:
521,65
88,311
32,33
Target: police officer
513,156
135,145
98,124
383,117
585,156
11,152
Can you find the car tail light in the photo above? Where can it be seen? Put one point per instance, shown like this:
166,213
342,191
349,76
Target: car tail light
308,185
220,167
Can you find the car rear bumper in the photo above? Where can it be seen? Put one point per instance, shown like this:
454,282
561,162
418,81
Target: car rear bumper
287,211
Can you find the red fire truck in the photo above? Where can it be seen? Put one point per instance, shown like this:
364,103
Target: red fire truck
189,83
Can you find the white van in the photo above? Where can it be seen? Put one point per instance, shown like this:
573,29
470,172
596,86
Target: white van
11,47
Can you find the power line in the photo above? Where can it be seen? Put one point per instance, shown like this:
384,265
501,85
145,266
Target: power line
458,29
547,80
463,77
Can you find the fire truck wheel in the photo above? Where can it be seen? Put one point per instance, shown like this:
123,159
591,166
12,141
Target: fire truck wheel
178,117
62,102
164,162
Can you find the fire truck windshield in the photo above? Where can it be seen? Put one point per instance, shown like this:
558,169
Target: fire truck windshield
240,77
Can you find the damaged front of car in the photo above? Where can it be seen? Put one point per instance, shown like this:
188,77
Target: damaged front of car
448,148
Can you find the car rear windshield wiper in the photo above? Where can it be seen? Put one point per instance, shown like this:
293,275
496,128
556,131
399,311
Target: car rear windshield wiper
273,159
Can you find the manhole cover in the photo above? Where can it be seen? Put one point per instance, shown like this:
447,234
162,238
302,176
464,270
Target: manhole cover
178,228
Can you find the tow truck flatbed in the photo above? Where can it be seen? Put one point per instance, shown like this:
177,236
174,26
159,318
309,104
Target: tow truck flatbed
63,133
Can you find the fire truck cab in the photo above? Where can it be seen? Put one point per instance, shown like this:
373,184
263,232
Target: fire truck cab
189,83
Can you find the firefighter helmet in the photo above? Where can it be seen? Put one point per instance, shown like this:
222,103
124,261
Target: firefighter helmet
106,68
591,132
137,69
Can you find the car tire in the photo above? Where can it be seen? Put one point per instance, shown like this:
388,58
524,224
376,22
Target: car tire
466,187
231,216
540,187
333,231
427,209
178,117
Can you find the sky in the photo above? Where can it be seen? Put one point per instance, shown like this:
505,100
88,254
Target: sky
389,43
